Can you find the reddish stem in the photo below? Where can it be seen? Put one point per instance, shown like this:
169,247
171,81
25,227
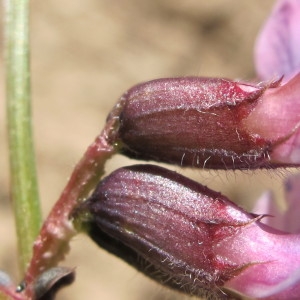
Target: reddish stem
53,241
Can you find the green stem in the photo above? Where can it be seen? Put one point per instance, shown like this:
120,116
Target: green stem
22,162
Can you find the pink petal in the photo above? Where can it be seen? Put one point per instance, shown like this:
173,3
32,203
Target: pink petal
276,273
277,47
276,118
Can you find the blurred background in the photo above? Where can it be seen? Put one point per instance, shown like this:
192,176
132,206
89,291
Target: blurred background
85,54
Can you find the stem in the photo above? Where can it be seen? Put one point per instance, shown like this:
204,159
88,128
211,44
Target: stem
22,162
52,244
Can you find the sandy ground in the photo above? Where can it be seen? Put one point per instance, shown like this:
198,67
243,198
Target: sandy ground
85,54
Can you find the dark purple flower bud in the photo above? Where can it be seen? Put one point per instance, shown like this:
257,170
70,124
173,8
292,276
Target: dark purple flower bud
210,122
188,237
165,225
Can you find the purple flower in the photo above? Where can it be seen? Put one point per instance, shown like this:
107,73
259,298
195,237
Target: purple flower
191,238
211,123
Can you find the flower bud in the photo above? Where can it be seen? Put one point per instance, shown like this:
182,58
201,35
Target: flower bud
165,225
186,236
210,122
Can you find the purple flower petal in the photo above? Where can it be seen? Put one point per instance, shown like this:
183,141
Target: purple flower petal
277,47
276,273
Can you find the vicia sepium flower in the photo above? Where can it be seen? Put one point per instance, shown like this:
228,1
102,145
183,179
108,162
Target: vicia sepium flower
211,123
189,237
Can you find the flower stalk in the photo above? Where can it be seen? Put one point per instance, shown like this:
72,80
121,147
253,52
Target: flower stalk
52,244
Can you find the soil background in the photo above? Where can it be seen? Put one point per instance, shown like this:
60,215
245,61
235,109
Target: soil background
84,55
